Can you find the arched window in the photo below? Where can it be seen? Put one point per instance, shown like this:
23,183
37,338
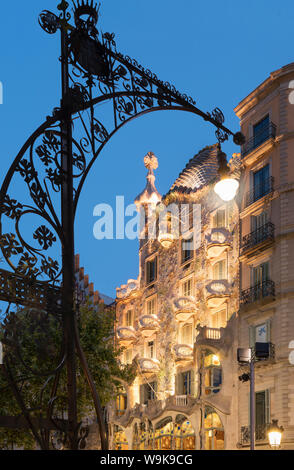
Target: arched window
136,438
163,434
119,439
212,372
214,435
184,434
143,436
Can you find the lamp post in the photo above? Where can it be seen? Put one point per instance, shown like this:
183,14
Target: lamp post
275,433
53,165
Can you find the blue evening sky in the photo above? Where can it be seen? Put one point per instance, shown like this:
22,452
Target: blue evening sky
217,52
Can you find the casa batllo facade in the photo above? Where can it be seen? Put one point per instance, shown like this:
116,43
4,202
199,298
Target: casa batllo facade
189,310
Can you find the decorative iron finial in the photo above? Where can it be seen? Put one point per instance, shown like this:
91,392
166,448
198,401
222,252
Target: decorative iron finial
63,6
86,7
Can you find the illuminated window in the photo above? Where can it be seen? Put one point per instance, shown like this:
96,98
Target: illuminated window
151,306
120,441
150,349
219,319
213,430
219,219
219,270
121,403
129,318
212,372
187,334
128,356
184,434
163,434
187,288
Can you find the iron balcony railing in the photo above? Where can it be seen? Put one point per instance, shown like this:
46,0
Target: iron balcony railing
264,233
257,292
260,434
259,190
268,131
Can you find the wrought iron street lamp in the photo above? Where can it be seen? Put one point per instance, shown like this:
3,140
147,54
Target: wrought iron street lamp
227,187
275,433
53,165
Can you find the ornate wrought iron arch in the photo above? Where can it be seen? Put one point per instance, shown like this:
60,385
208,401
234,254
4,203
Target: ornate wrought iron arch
54,166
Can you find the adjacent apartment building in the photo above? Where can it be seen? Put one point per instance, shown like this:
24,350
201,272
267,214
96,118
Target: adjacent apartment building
193,305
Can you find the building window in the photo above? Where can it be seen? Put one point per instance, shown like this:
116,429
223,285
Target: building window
219,219
163,435
129,319
219,319
128,356
151,270
151,306
213,430
121,403
186,249
261,131
258,221
184,383
119,441
187,288
219,270
150,350
260,274
148,392
261,183
187,334
212,372
260,333
262,413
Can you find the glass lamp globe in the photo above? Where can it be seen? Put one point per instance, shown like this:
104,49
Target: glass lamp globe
226,188
275,434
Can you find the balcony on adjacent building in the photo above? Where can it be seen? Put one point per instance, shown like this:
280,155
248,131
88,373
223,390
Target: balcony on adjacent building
218,291
261,436
126,335
259,190
265,132
148,325
258,238
183,352
218,241
265,289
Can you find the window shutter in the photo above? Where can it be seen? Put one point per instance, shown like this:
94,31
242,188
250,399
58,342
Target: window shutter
252,336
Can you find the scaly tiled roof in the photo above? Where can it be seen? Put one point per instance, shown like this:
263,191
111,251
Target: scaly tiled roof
199,171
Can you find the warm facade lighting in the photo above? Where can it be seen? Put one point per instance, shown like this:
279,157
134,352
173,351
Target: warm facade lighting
275,434
226,188
166,239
